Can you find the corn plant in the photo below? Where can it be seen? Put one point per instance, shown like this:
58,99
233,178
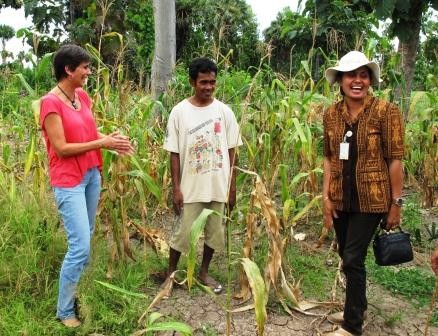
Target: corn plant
422,145
151,325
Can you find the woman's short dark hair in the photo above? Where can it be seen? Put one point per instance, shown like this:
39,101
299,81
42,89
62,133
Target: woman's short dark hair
70,56
203,65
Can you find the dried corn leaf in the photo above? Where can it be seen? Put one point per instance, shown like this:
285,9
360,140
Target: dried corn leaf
245,293
242,309
306,305
125,233
250,233
164,290
267,206
155,238
287,293
112,260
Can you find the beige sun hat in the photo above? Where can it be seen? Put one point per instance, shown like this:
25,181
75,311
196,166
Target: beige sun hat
352,61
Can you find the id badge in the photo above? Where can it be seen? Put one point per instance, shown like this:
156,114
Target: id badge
343,150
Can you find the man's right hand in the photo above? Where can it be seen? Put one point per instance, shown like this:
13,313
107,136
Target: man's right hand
178,201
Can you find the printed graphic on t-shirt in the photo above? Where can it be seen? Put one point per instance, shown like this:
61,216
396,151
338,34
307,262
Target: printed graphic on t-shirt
205,154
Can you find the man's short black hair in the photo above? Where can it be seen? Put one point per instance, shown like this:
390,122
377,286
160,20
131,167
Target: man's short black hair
69,55
203,65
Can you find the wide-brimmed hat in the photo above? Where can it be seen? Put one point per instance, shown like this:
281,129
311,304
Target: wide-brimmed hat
352,61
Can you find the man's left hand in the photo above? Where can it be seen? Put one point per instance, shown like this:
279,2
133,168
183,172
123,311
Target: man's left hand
232,199
434,261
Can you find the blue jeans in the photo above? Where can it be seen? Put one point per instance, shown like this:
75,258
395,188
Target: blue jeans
77,206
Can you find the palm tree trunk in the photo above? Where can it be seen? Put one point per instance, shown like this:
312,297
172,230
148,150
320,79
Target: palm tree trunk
408,52
165,45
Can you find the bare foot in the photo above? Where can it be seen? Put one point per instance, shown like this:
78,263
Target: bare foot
72,322
166,287
207,280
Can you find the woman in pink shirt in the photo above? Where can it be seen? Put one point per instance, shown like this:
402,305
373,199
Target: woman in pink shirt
75,161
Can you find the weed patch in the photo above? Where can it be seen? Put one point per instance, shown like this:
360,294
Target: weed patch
316,277
412,283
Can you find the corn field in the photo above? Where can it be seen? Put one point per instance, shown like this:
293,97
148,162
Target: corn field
279,183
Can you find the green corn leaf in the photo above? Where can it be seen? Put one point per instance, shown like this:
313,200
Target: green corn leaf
197,228
299,130
114,34
30,156
105,73
26,85
44,66
120,73
152,186
153,317
297,178
180,327
36,106
121,290
318,170
249,148
284,179
289,205
6,153
279,84
140,191
258,289
147,179
306,68
94,53
306,209
12,189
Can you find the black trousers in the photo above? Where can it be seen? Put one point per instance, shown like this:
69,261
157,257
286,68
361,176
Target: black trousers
354,232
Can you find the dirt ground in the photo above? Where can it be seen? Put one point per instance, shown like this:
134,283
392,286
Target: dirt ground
387,314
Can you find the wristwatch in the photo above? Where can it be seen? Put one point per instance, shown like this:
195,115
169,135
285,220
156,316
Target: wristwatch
398,201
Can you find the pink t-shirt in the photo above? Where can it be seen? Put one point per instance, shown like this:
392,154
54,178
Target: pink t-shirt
79,126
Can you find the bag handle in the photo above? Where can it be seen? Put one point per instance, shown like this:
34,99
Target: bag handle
382,227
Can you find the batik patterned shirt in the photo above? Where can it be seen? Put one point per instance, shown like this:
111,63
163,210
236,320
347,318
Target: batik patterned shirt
379,138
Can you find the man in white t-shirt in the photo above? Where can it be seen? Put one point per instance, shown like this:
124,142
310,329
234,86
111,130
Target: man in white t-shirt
202,134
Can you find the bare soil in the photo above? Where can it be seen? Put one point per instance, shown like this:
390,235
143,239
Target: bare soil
388,314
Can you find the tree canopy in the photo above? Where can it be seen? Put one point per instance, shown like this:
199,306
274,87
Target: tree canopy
227,30
329,26
11,3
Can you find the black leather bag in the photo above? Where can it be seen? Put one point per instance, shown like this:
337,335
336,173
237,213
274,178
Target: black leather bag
392,248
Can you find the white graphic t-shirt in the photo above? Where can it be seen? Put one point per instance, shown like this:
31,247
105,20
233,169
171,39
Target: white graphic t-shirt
202,137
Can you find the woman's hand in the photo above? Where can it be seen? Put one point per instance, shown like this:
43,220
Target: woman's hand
393,219
329,213
119,143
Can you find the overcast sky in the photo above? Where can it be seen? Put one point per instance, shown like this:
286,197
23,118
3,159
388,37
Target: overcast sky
14,18
265,10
